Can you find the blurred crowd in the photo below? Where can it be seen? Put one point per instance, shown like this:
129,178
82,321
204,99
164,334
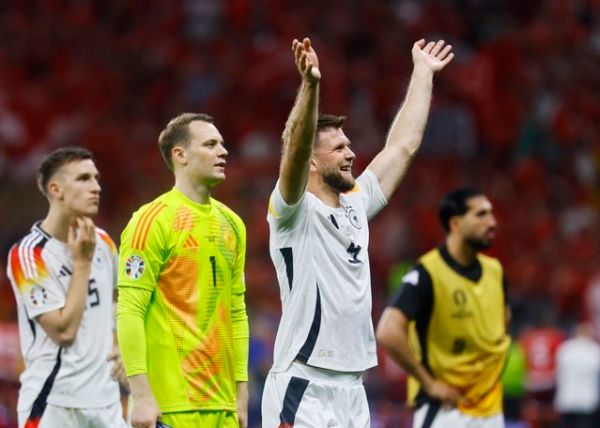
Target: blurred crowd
517,114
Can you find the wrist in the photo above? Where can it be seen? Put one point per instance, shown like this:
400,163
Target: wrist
422,71
310,84
427,384
82,265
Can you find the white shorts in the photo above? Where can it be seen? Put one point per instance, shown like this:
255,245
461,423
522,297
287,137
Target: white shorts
62,417
309,397
427,417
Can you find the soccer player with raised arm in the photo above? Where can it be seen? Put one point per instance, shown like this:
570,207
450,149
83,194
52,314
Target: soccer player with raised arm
181,318
318,219
63,274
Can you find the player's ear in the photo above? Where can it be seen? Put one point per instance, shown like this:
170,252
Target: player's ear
54,189
454,223
178,155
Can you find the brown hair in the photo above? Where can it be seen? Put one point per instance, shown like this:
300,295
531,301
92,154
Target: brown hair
55,160
177,132
329,121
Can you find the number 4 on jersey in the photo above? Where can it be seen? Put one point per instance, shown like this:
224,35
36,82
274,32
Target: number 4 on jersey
354,250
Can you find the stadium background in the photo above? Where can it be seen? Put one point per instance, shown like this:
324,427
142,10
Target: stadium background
517,114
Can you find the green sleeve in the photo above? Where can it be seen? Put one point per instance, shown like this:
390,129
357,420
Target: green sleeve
142,249
239,317
131,311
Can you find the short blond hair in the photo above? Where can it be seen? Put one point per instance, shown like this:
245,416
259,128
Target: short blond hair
177,132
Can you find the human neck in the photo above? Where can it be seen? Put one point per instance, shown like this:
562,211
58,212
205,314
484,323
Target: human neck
324,192
460,250
197,192
57,223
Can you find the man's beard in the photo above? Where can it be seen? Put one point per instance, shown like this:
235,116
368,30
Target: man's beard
335,180
479,244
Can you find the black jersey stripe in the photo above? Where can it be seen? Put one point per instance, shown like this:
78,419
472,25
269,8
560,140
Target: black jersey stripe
39,405
432,411
291,400
313,333
288,259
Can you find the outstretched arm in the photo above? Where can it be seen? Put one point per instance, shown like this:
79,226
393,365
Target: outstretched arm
301,125
406,133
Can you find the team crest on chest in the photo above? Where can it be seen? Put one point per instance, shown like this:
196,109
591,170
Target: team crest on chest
353,217
134,267
229,239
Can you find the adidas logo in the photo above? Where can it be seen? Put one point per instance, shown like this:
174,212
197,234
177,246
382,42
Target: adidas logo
190,242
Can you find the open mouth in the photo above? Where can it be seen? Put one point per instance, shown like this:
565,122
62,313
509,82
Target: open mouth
346,168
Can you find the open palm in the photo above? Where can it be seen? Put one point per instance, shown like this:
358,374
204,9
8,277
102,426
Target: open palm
307,61
434,56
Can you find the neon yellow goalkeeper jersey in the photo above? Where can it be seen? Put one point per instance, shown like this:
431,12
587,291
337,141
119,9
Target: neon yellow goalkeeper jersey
191,258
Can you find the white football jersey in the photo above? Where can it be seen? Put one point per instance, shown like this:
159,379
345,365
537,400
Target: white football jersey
321,257
78,376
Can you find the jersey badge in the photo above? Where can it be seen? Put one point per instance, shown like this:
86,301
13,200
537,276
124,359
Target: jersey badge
353,217
38,295
229,240
98,262
134,267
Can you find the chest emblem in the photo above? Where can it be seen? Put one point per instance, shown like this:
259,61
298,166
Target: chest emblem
134,267
229,240
460,301
353,217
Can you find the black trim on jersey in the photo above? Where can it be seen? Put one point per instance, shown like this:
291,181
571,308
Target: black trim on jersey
39,405
32,326
38,228
334,221
291,400
288,259
472,272
311,340
432,410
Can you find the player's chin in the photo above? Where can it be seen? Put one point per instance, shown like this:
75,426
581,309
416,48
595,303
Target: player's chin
349,180
90,211
217,179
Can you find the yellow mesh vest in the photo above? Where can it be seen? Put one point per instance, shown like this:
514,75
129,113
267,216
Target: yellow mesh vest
466,338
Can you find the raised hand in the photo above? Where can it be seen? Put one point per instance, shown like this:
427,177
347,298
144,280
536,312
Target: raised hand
433,56
81,240
307,61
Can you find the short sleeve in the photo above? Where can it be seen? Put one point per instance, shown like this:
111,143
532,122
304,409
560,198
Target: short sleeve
371,193
282,214
114,256
415,296
143,248
34,284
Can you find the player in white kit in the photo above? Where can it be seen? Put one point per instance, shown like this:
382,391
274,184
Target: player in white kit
319,236
63,274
